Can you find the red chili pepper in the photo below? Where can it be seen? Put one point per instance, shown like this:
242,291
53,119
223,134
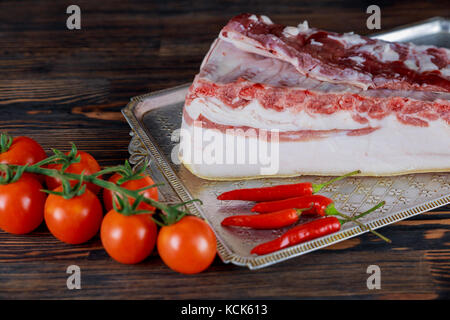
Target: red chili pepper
301,233
279,192
286,217
319,204
271,220
313,230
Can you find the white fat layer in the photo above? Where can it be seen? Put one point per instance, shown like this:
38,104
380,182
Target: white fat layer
290,31
425,63
389,54
303,27
253,18
247,45
446,71
382,152
424,48
255,116
382,51
351,75
349,39
411,64
316,43
419,60
359,60
266,20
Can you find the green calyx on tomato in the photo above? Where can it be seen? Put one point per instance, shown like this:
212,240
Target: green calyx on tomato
172,214
124,207
5,142
145,185
74,162
20,150
128,174
11,176
66,159
68,191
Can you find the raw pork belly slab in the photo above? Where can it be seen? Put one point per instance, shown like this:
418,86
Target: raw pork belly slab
336,103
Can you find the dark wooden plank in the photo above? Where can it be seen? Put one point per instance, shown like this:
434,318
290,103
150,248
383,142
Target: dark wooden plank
414,266
60,86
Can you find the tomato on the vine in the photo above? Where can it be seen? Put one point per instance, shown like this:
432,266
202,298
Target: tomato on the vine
187,246
23,150
144,182
21,205
74,220
128,239
87,164
108,194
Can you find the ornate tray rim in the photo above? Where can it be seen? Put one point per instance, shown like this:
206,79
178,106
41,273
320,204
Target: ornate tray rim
143,143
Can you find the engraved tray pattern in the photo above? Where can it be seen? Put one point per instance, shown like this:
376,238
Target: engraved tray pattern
154,118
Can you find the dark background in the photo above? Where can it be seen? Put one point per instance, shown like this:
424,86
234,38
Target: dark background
59,85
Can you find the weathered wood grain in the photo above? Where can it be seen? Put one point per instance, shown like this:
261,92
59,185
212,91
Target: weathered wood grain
35,265
60,86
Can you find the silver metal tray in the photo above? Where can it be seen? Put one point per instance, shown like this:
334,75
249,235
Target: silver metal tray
155,118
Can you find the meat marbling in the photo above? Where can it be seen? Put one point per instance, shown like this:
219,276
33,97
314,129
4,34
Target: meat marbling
335,103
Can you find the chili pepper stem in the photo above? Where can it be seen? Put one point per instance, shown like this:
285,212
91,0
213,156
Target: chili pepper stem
364,227
300,211
318,187
331,210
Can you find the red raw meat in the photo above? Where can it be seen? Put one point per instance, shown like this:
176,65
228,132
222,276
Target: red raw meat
367,104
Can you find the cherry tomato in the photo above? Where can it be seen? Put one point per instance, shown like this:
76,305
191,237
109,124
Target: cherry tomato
23,150
21,205
108,194
188,246
128,239
74,220
146,181
87,163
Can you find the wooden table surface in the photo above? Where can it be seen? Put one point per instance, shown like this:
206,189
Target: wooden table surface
59,85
